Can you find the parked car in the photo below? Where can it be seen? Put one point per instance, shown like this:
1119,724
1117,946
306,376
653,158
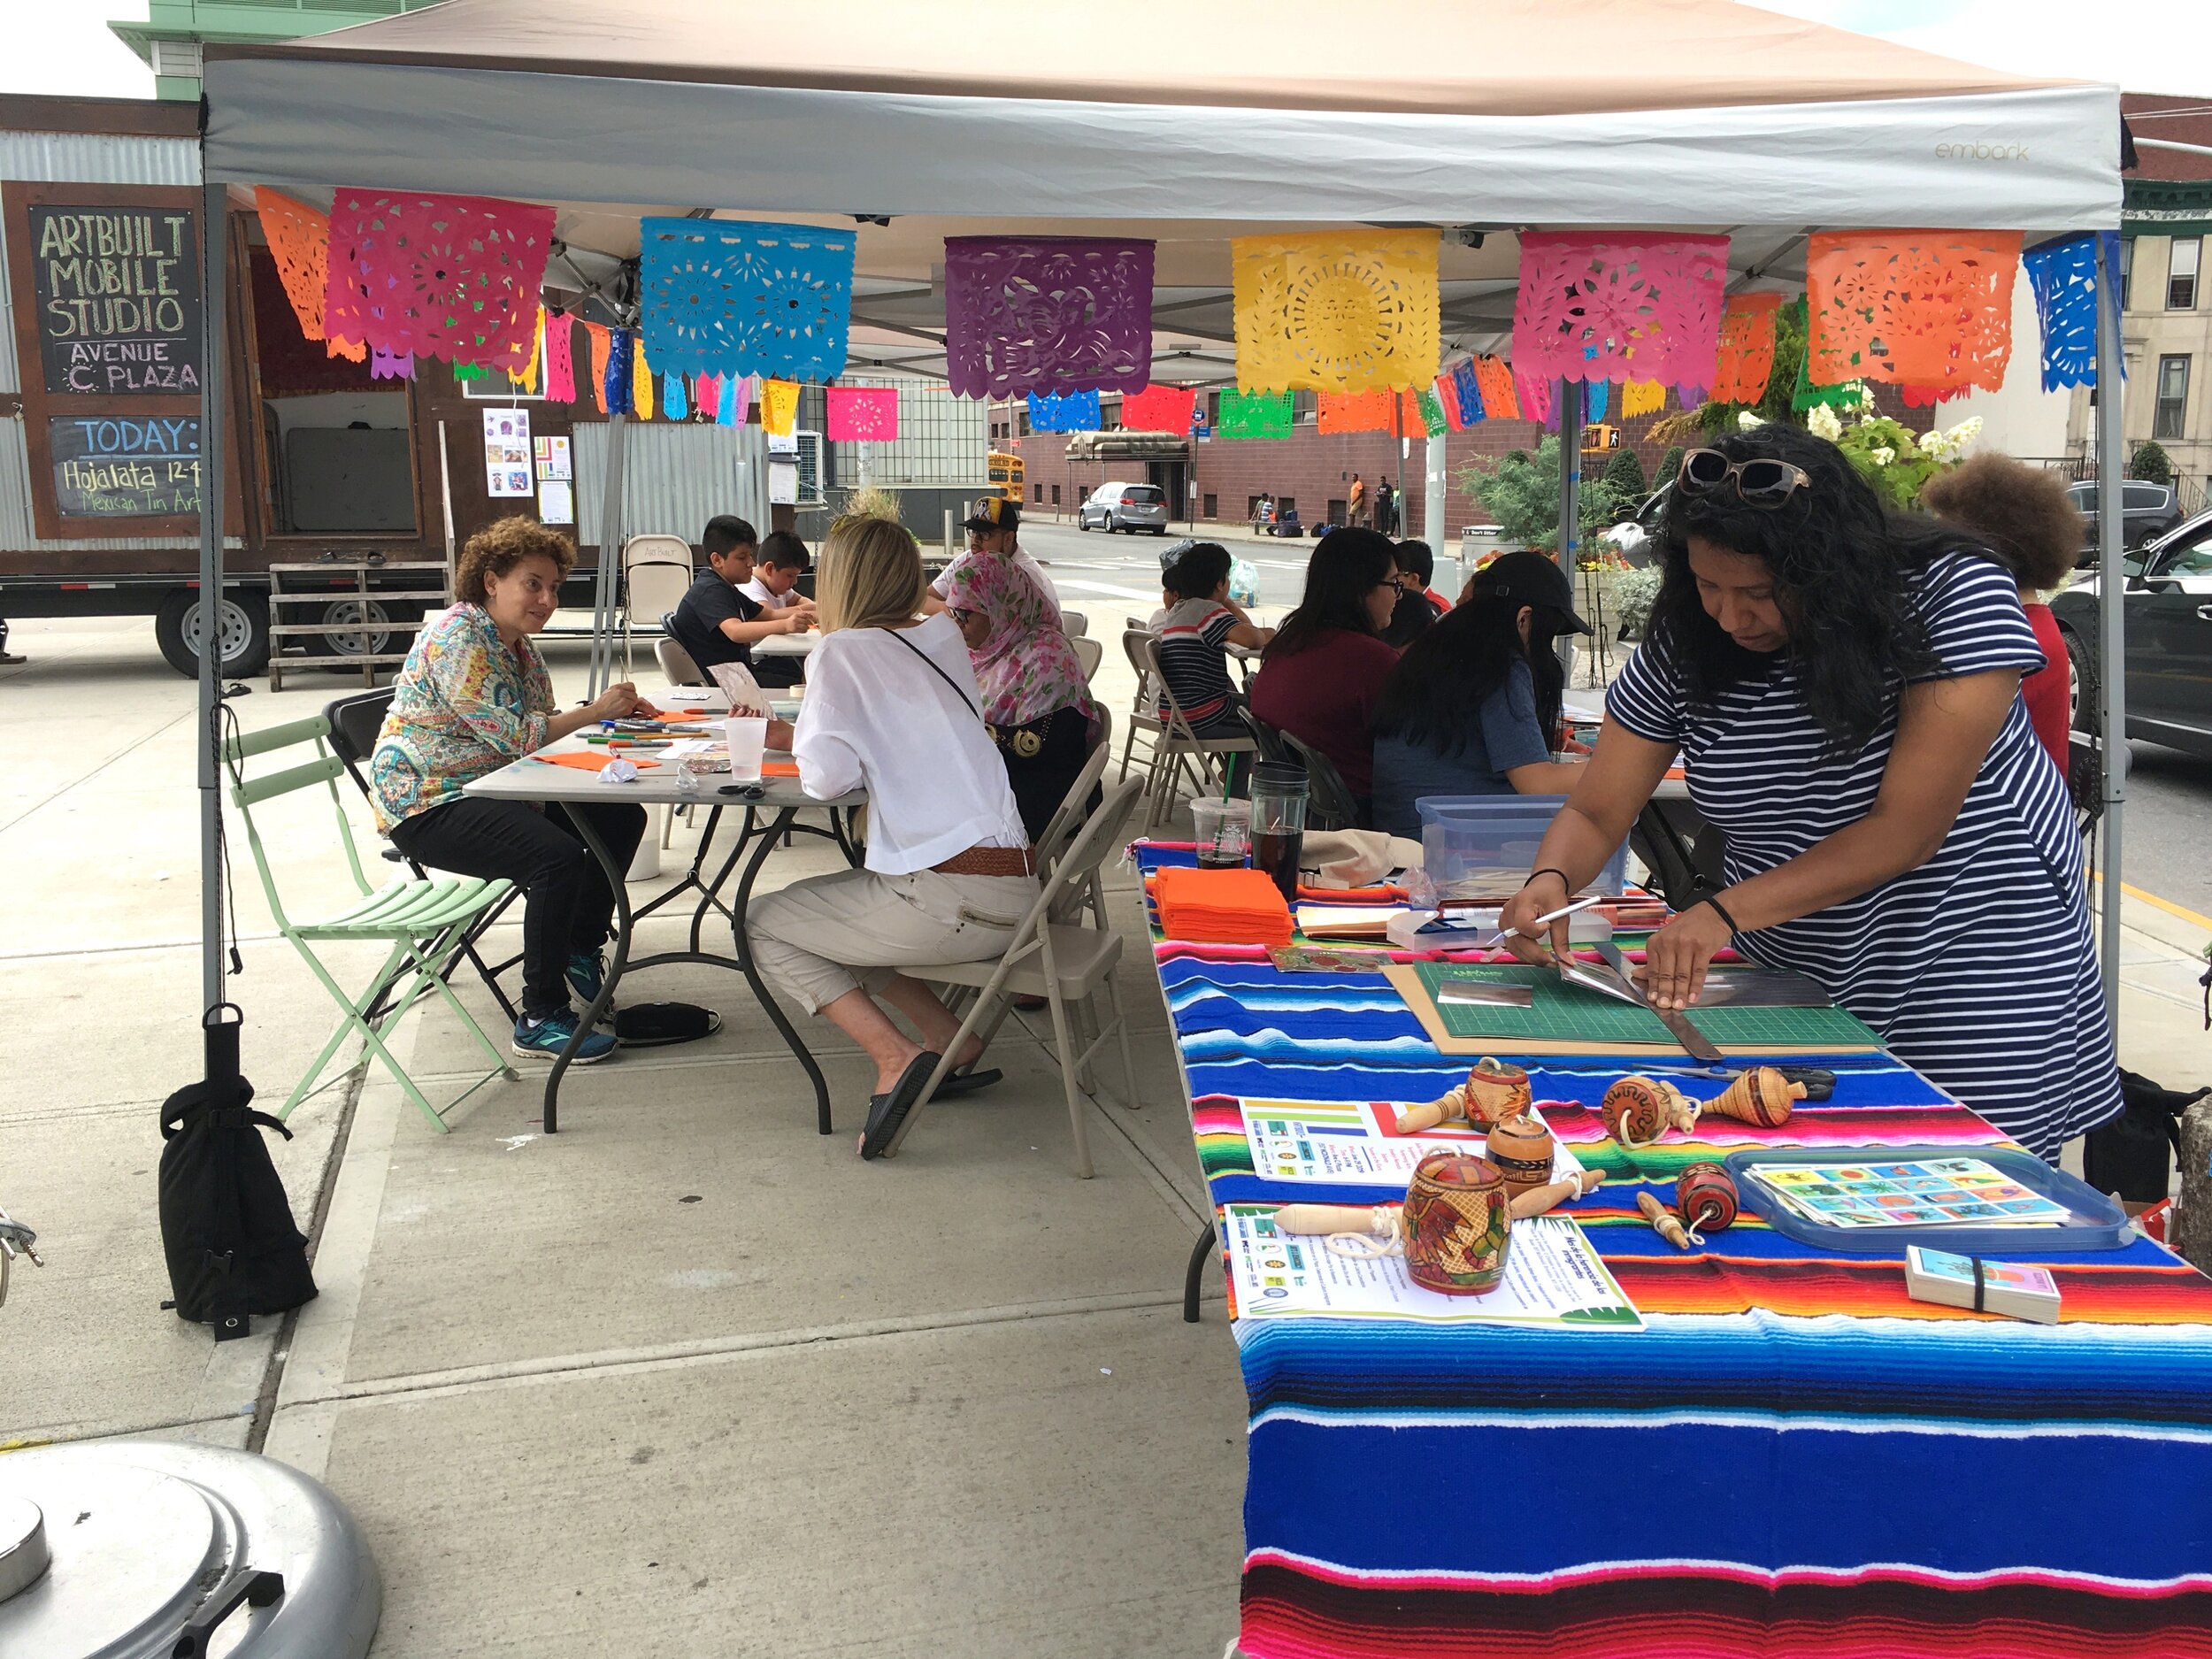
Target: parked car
2146,512
2168,607
1130,507
1632,537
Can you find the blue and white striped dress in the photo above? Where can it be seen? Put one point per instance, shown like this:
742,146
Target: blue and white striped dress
1977,967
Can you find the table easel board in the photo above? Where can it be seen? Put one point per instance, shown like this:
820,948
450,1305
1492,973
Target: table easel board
1567,1019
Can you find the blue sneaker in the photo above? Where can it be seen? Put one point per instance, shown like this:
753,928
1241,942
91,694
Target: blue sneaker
587,972
544,1038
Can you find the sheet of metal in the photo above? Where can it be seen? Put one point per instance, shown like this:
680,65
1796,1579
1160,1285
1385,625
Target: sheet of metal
675,477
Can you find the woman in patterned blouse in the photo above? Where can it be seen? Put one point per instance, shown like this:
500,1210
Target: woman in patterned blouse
473,696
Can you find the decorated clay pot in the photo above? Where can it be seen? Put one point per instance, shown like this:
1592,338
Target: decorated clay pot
1705,1196
1455,1224
1496,1091
1521,1149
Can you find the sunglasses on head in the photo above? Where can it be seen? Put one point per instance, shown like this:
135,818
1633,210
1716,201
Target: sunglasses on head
1759,483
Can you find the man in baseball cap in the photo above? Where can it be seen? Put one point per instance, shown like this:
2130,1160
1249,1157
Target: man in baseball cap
992,528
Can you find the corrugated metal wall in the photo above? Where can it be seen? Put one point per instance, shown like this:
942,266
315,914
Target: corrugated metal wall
942,439
80,159
675,477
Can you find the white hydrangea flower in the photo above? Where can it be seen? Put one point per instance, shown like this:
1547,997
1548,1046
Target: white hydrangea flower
1964,433
1746,420
1866,395
1822,422
1882,455
1933,442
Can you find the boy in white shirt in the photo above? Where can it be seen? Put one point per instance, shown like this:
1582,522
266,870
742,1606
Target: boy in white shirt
777,568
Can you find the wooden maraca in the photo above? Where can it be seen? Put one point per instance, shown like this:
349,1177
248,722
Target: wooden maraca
1494,1091
1357,1223
1638,1111
1761,1096
1705,1198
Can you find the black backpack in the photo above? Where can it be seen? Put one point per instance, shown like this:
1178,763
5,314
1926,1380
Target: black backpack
226,1227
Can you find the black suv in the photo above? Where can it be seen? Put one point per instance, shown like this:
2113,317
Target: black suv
2146,512
2167,607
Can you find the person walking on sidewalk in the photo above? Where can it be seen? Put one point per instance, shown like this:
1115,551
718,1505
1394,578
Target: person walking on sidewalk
1356,504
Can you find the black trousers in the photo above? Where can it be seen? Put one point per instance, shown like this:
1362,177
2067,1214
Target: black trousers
1042,780
567,905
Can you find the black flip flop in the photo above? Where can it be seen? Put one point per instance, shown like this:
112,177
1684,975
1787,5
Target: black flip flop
886,1112
968,1083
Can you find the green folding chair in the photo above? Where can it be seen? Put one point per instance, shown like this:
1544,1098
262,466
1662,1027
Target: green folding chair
425,920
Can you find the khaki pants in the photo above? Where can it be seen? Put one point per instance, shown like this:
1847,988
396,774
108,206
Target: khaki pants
809,938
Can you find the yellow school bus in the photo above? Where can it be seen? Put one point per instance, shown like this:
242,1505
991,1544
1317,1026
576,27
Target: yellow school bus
1006,475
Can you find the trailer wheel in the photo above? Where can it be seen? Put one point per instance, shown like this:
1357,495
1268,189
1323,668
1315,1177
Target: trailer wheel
244,621
364,628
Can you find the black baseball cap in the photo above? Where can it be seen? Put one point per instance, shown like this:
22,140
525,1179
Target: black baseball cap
993,513
1534,579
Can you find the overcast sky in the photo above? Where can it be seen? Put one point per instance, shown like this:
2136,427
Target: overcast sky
64,47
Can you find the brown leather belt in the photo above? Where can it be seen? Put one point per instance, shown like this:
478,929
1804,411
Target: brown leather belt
990,861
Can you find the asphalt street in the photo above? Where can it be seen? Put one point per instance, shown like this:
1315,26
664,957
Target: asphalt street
2169,794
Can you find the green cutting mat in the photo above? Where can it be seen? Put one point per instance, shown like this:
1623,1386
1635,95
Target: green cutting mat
1568,1014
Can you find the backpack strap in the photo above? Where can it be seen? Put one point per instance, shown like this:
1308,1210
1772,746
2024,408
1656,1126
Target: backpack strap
898,635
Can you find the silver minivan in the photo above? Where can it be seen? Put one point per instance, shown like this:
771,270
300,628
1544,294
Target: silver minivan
1130,507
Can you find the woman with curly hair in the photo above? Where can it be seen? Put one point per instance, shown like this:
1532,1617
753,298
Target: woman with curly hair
2024,516
1844,690
473,696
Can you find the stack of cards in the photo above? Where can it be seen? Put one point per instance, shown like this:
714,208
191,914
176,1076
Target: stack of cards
1927,1193
2007,1287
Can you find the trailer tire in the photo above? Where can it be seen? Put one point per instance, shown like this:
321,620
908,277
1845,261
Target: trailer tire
360,627
245,632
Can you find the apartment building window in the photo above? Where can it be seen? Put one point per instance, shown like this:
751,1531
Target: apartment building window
2181,276
2127,268
1056,494
1213,507
2173,396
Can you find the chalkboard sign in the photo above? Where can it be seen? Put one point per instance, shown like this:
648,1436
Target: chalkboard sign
125,466
116,299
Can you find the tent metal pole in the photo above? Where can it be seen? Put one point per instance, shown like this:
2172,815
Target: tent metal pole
1432,482
214,246
2111,615
609,557
1569,402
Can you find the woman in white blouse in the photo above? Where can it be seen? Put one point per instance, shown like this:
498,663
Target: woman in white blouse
891,707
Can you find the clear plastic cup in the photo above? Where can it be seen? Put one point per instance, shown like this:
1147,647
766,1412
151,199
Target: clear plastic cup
1224,833
746,735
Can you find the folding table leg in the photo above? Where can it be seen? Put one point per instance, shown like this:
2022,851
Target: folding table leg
1198,1254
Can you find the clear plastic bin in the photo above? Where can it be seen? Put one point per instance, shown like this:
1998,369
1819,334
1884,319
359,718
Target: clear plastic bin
1483,846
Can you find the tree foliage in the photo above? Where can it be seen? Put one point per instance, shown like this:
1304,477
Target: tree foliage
1625,476
2151,464
1521,491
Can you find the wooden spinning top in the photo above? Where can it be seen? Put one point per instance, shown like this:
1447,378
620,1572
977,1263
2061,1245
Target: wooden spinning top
1761,1096
1521,1148
1705,1197
1638,1111
1455,1224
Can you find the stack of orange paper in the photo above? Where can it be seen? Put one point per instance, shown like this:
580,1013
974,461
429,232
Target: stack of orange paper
1221,907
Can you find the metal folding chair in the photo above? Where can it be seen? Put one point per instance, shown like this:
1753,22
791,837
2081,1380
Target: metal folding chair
1180,750
425,921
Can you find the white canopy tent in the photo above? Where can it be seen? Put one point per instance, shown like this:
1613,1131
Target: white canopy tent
1186,124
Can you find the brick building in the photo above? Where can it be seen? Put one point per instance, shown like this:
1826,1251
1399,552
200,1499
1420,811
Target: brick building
1311,469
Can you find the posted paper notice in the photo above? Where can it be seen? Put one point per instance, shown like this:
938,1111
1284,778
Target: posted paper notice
1357,1144
1553,1277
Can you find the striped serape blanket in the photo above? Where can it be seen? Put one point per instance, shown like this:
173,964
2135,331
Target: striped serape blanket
1792,1459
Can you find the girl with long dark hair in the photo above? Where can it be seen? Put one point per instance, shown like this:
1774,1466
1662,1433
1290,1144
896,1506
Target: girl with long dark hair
1323,673
1843,687
1473,704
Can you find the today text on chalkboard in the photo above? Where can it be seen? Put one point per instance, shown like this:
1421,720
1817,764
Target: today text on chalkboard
117,293
125,466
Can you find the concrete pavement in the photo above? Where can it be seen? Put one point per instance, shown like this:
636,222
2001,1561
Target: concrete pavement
687,1378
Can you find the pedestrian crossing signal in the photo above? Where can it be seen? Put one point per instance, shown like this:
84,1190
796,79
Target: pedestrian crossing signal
1599,439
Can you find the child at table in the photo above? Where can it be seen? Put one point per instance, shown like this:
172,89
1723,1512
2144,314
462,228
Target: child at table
472,698
1198,624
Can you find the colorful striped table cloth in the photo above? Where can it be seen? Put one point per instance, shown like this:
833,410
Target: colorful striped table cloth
1792,1458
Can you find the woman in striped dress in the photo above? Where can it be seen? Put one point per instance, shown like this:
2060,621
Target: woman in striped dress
1843,689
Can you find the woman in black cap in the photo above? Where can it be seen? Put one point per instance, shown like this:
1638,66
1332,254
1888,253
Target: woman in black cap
1473,705
1843,687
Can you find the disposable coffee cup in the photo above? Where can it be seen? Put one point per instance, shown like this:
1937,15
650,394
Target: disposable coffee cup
1223,832
746,735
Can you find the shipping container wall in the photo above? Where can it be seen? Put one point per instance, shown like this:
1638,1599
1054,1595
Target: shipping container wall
941,438
675,477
